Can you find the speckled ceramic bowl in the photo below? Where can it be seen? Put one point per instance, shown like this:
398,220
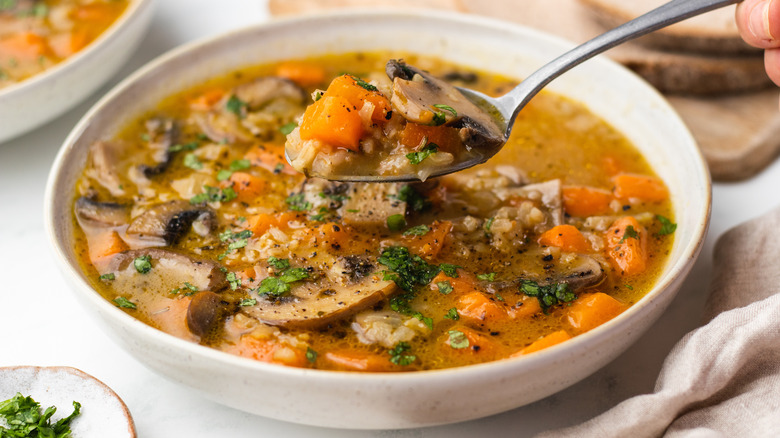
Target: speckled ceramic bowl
36,100
364,401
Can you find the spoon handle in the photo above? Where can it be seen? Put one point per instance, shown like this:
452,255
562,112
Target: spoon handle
665,15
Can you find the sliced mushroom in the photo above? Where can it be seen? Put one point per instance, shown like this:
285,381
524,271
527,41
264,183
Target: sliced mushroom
163,133
103,166
415,93
582,272
92,214
204,311
166,224
372,204
355,267
312,306
170,270
261,91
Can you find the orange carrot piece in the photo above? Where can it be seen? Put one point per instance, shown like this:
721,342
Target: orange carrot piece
174,320
334,121
444,136
333,236
305,74
271,158
357,360
461,285
526,307
477,344
206,100
612,165
553,338
260,223
566,237
268,350
66,44
642,187
347,87
247,186
627,248
583,201
590,311
476,307
430,244
22,46
105,244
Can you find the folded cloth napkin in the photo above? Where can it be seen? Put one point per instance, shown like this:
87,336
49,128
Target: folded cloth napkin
722,379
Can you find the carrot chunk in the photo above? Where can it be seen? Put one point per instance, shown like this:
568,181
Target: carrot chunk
586,201
590,311
444,136
566,237
347,87
554,338
525,307
462,284
334,121
305,74
627,245
66,44
356,360
332,236
268,350
206,100
477,307
260,223
105,244
430,244
463,341
642,187
247,186
22,46
271,158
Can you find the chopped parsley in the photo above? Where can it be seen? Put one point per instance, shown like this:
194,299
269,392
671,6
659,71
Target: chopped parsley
549,295
235,165
425,320
108,277
298,202
440,118
487,277
457,339
183,147
287,128
280,264
629,287
236,241
233,280
406,270
630,233
419,230
192,161
236,106
23,418
452,314
445,287
124,303
214,194
401,354
277,286
246,302
488,225
667,226
450,270
447,108
143,264
396,222
363,83
414,199
311,355
224,175
426,151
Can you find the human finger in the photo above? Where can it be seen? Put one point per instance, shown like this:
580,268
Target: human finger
758,22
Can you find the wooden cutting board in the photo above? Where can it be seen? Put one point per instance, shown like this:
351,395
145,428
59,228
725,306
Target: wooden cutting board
738,133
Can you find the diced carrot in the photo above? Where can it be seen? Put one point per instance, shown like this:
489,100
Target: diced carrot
66,44
430,244
477,344
247,186
22,46
553,338
590,311
462,284
525,307
476,307
174,319
268,350
583,201
305,74
642,187
271,158
566,237
612,165
627,248
332,235
357,360
347,87
334,121
260,223
94,12
206,100
444,136
105,244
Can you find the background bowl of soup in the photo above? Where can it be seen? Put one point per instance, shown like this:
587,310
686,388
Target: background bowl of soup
391,400
53,54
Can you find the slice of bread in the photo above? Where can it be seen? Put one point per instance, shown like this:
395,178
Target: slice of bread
714,32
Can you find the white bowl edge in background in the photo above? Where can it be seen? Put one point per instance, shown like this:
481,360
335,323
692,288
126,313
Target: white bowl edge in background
408,399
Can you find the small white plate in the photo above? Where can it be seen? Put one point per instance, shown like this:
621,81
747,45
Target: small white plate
103,413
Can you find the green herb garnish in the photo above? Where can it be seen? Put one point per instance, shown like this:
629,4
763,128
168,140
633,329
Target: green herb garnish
214,194
445,287
287,128
108,277
450,270
183,147
406,270
400,354
311,355
280,264
413,199
452,314
277,286
667,226
396,222
298,202
363,83
233,280
192,161
419,230
124,303
458,339
143,264
235,106
487,277
24,419
549,295
246,302
426,151
630,233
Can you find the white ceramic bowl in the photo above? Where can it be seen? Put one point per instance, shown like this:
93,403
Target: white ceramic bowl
36,100
356,400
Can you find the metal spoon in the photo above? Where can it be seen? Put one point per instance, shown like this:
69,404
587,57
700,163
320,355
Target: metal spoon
504,109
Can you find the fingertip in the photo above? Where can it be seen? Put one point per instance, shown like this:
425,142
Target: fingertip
758,22
772,64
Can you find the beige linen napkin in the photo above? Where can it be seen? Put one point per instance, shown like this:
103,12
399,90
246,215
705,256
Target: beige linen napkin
722,379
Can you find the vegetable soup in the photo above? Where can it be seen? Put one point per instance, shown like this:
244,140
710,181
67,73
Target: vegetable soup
192,221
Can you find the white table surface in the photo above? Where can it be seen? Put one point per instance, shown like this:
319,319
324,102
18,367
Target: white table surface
41,323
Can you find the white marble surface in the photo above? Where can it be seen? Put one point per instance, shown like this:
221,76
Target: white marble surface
42,324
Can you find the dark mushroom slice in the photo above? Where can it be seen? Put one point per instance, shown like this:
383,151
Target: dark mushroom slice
169,270
167,223
102,166
312,306
92,214
415,93
584,271
206,309
163,133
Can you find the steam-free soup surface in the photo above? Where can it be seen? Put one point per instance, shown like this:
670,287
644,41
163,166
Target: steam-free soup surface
192,221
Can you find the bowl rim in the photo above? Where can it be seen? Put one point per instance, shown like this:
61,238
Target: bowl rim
67,64
673,270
